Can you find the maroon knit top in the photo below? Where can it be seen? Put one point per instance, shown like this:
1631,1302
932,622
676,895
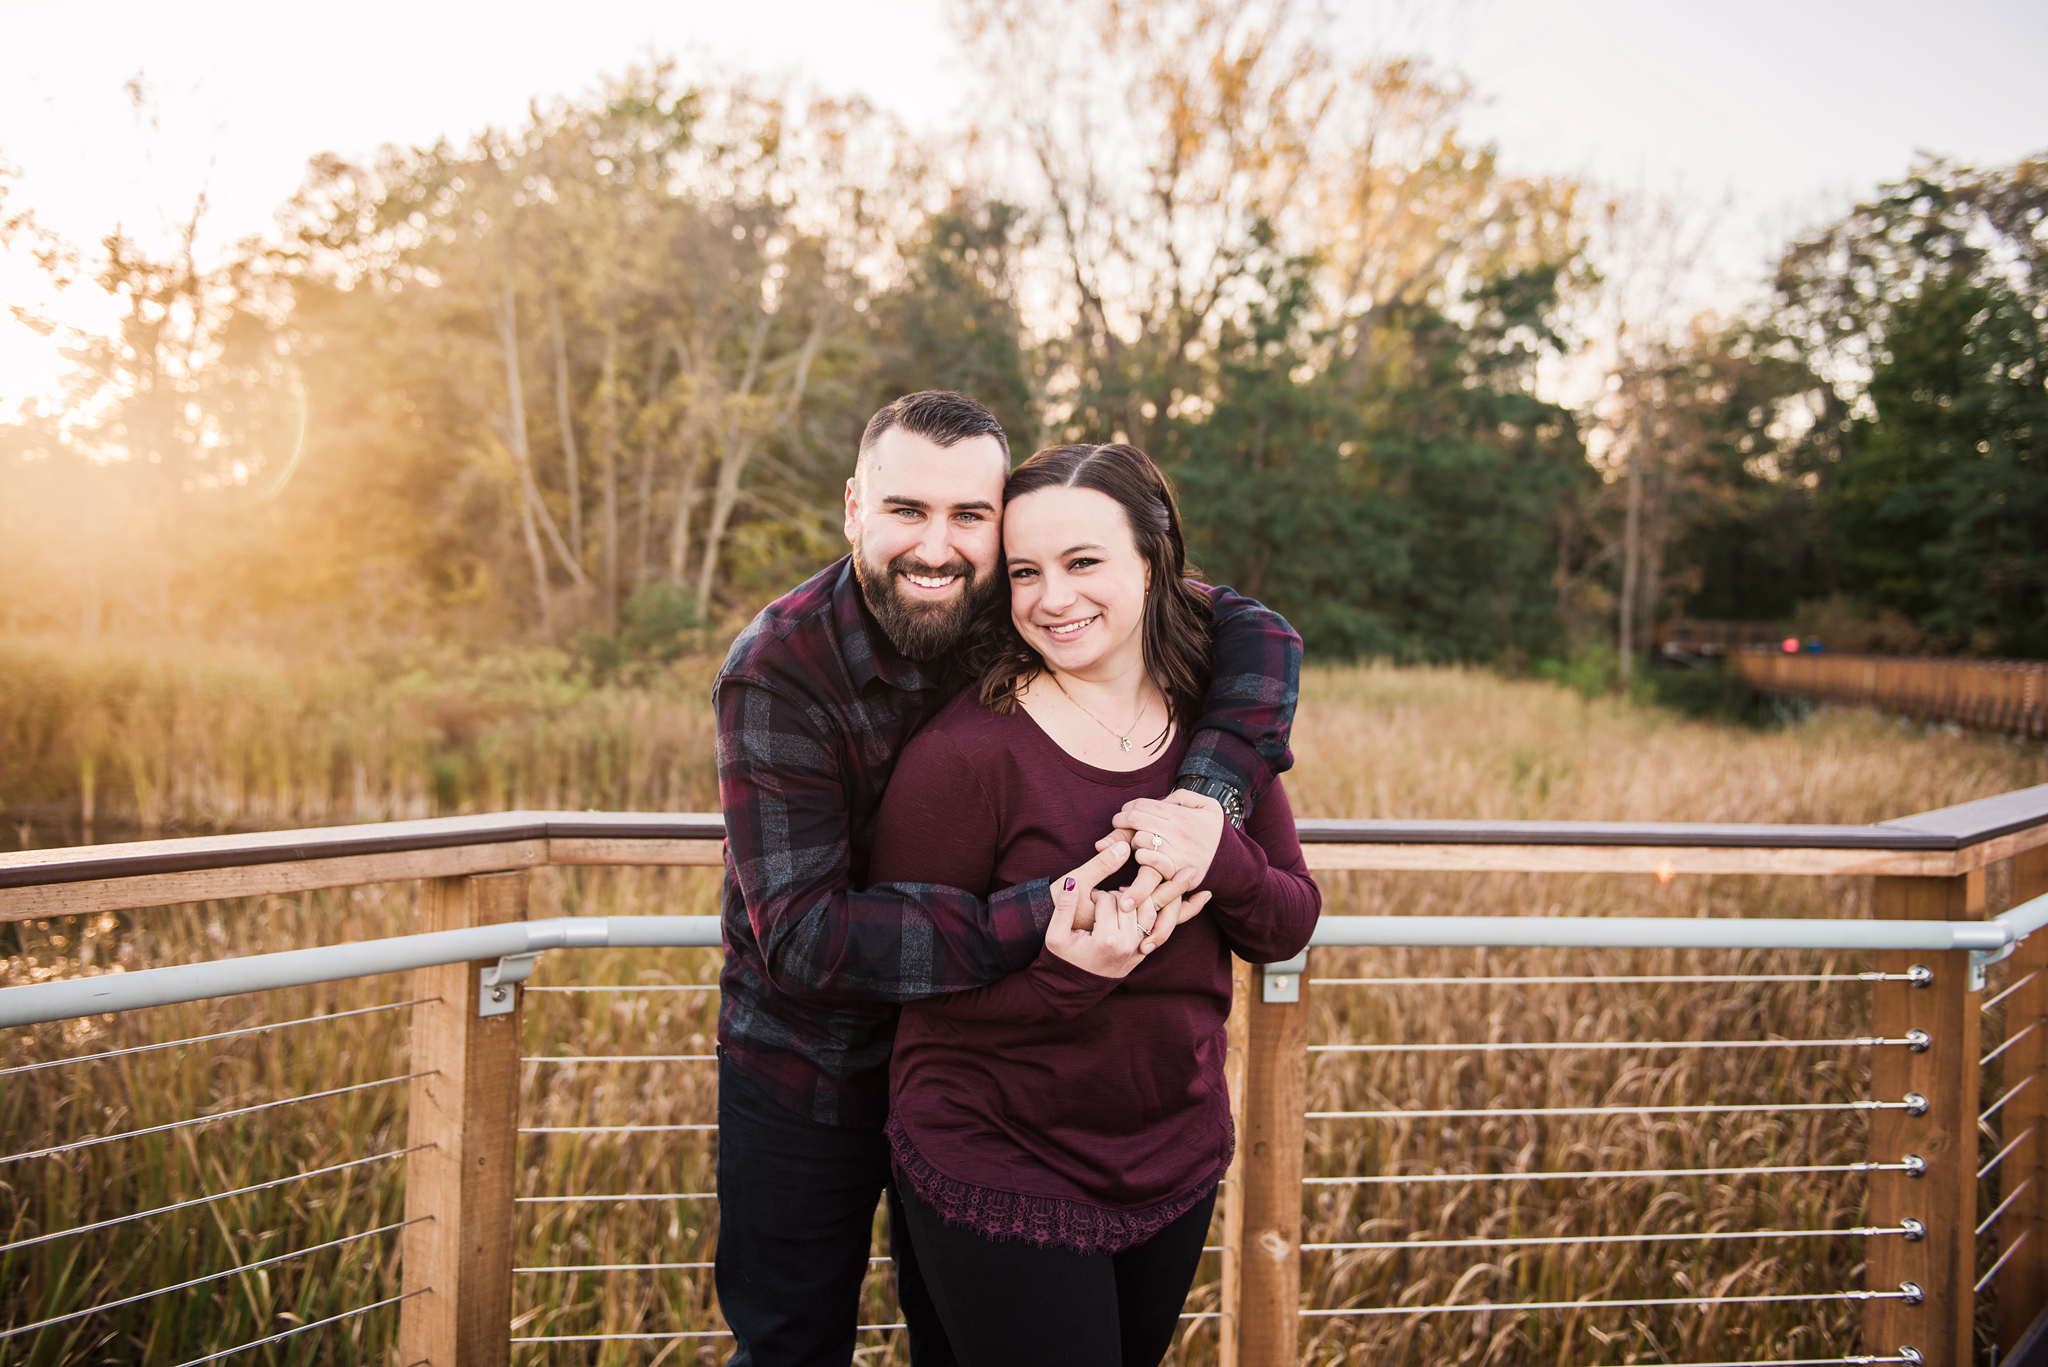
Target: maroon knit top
1055,1106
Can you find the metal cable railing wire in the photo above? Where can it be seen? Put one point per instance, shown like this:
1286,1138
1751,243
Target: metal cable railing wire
1539,1046
641,1267
610,1129
631,987
1914,1107
2017,1088
2011,988
656,1337
668,1335
212,1277
77,1144
614,1267
1999,1157
306,1328
2009,1043
1611,979
207,1039
2011,1249
1904,1355
1533,1241
1591,1174
614,1196
208,1200
2002,1207
620,1058
1513,1307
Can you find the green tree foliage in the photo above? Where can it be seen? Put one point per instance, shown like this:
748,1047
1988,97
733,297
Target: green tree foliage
1421,519
1942,508
1867,455
1274,502
1749,541
1927,308
952,322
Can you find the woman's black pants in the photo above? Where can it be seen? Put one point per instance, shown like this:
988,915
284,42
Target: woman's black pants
1009,1304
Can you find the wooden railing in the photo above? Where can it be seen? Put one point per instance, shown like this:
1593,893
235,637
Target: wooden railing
2002,695
1936,866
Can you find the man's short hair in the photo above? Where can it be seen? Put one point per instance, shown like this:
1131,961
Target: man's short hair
939,416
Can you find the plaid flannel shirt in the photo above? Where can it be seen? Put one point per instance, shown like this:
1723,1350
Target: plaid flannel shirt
814,704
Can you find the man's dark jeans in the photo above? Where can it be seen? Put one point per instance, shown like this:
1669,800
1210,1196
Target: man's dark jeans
796,1205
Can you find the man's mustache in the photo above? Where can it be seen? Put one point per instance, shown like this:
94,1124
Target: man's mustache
908,564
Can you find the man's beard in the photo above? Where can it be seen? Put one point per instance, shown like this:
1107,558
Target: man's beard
922,631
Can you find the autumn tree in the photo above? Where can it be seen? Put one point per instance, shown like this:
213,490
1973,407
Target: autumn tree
627,322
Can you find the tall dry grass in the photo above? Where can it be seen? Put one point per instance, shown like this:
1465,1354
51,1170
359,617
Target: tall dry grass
198,741
1372,742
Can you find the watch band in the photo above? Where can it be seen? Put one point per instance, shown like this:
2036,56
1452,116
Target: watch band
1227,795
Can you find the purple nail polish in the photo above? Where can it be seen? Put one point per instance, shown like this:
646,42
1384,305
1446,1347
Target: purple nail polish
1069,887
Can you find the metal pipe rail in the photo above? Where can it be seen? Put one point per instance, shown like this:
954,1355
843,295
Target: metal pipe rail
38,1003
295,968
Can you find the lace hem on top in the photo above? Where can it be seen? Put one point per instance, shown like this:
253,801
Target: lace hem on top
1041,1221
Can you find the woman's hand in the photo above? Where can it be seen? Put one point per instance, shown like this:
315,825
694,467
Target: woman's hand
1108,944
1110,949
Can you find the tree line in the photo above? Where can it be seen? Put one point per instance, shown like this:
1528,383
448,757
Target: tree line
1866,456
596,380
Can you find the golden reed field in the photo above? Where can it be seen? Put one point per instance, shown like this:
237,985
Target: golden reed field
203,742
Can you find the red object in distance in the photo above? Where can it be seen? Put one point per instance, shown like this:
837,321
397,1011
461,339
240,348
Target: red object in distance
1790,645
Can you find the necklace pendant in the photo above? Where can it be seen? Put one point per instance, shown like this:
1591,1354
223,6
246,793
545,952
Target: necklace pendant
1124,741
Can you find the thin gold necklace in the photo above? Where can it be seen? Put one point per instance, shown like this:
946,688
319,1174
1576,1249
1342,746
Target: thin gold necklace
1123,739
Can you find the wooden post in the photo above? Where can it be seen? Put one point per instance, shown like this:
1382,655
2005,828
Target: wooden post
459,1257
1943,1262
1276,1098
2022,1284
1243,982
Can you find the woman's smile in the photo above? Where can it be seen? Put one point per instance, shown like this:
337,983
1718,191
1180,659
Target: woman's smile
1068,630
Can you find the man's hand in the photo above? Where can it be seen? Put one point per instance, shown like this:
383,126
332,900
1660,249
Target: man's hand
1174,835
1108,945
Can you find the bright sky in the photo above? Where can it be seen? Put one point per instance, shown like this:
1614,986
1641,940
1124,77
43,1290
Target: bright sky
1785,109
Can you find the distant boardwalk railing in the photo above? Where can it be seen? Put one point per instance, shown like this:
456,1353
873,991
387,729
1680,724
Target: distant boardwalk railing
1698,637
1955,1192
2002,695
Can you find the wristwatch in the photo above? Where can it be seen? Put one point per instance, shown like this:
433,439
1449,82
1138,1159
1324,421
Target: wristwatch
1226,794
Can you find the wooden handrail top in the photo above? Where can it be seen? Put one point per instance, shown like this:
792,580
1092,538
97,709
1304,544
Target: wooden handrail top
1944,829
84,863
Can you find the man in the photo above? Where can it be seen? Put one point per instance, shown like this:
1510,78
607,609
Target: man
816,699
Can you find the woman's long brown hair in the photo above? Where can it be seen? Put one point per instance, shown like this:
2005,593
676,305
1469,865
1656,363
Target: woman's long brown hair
1179,617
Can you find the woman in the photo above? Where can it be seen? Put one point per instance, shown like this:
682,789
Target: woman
1058,1136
